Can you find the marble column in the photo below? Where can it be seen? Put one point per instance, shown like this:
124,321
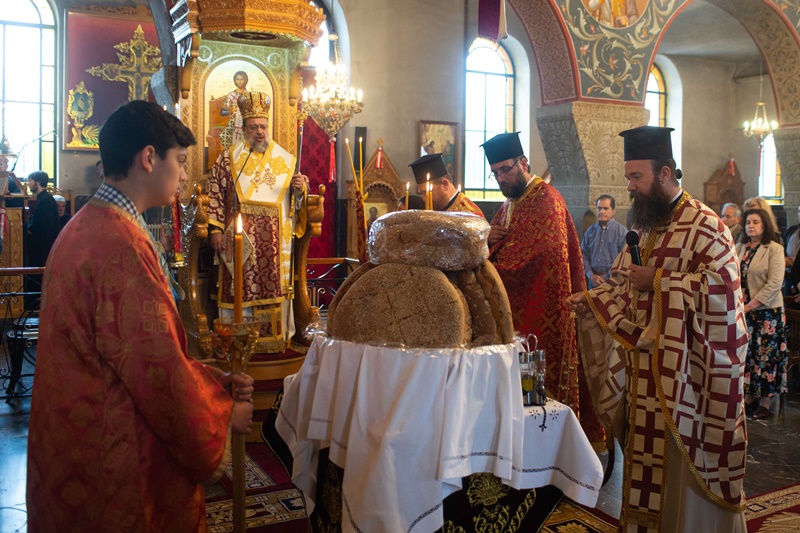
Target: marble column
585,153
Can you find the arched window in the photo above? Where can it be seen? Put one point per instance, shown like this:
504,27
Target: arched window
769,180
490,110
656,98
28,83
321,53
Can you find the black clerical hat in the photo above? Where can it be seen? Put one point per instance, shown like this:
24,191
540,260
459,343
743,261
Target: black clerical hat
503,146
647,142
428,164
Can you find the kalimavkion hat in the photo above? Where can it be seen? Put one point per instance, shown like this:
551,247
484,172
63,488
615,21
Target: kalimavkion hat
503,146
254,104
647,142
428,164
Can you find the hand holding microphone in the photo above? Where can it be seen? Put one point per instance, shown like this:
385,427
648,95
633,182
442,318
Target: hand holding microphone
641,276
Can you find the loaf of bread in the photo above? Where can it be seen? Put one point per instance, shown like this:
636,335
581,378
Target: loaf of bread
442,240
403,305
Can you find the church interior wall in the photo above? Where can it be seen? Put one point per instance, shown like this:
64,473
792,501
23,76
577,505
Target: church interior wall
409,59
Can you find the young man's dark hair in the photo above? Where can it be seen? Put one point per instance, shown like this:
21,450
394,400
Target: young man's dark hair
40,177
132,127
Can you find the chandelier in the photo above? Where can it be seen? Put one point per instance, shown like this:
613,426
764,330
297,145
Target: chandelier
761,126
331,102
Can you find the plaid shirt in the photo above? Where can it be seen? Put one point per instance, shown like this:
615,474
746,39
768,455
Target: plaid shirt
109,194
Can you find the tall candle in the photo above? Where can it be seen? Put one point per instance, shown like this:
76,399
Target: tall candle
361,161
428,191
408,183
352,166
237,271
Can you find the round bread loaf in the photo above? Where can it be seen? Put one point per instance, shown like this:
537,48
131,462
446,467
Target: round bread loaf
442,240
484,325
405,305
352,278
492,285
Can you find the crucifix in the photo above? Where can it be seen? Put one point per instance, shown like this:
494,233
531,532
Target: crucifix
138,61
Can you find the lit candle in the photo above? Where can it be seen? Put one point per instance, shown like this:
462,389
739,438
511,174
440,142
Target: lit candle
408,183
237,271
361,161
164,107
359,96
352,167
427,191
305,95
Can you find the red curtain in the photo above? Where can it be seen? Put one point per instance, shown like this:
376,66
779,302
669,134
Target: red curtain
315,164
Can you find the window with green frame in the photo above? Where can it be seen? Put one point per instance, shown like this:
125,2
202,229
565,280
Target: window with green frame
656,98
490,110
28,84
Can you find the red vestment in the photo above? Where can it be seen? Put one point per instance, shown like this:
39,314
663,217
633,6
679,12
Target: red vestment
463,204
540,264
124,423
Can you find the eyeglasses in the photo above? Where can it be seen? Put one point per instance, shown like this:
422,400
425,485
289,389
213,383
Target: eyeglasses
493,175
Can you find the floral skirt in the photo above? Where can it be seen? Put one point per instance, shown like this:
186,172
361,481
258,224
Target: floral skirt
765,368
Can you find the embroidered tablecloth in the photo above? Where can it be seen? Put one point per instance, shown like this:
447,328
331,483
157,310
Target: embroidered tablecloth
407,424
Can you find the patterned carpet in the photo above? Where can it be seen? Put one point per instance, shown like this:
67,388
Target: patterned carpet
570,517
273,504
774,512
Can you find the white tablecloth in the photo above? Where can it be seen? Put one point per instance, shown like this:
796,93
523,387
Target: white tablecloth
407,424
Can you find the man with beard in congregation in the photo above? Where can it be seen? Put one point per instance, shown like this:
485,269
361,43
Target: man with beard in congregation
664,346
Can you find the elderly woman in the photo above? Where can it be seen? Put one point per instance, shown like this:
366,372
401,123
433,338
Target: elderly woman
761,264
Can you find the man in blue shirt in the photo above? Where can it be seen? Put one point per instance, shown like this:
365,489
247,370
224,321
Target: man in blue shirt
602,242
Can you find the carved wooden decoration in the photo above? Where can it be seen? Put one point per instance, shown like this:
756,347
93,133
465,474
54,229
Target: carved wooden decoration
725,185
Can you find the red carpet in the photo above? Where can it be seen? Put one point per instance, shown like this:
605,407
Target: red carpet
777,511
274,505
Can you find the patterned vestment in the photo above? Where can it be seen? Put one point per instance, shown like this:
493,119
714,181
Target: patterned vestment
262,194
124,423
540,264
668,364
464,205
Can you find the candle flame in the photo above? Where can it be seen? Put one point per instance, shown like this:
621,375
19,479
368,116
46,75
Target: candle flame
239,224
408,184
360,139
346,140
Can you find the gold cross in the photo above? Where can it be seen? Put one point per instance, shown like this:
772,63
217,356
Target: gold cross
267,177
138,61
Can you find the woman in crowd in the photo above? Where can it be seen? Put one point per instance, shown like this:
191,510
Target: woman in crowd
758,202
762,266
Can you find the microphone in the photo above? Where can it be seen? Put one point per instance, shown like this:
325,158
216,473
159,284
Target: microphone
632,238
236,196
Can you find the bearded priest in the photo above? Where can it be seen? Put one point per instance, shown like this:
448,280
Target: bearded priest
663,346
252,178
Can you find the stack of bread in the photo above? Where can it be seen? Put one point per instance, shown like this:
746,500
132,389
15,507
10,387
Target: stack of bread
428,284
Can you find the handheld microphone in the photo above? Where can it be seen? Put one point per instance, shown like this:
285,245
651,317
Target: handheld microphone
632,238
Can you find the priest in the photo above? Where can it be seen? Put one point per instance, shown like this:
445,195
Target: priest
253,178
431,169
664,342
535,248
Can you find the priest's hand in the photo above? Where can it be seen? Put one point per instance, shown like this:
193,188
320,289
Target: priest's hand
642,277
497,234
597,280
300,182
239,385
242,418
577,303
217,242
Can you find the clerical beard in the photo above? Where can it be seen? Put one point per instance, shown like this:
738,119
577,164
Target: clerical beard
260,147
514,189
650,210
